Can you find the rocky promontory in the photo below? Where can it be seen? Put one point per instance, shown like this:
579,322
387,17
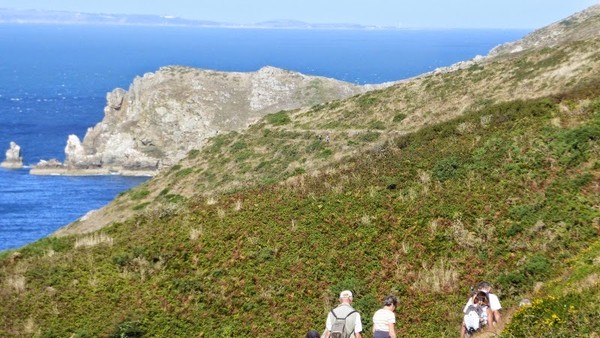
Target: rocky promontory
13,157
167,113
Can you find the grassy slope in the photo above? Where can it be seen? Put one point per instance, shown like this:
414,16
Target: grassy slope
568,305
504,194
256,233
286,143
278,148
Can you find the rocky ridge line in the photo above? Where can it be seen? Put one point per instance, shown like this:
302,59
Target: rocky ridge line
579,26
167,113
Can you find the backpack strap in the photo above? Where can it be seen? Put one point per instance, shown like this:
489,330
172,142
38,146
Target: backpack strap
351,312
348,315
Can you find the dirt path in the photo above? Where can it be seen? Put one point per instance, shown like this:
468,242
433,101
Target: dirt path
496,330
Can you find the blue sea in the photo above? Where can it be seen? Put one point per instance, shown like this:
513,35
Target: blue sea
54,80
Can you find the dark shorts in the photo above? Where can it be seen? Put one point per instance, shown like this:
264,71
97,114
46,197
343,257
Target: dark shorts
381,334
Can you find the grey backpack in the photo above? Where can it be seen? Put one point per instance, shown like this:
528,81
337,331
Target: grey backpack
338,329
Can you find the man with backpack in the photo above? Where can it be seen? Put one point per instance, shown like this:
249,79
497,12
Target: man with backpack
343,321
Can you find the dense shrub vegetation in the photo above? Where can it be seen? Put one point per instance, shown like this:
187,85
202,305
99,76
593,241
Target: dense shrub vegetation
505,193
568,306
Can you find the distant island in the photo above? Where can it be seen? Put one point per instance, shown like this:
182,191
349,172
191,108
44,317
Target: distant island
28,16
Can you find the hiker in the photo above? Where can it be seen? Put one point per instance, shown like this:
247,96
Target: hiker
385,318
343,321
494,302
477,312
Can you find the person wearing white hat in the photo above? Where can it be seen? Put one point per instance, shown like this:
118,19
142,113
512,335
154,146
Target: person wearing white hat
343,321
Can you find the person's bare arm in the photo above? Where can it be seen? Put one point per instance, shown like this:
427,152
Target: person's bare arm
392,330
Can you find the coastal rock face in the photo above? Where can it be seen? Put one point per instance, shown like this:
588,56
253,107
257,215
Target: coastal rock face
13,157
166,114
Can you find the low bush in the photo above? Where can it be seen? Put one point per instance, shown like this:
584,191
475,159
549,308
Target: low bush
279,118
399,117
139,193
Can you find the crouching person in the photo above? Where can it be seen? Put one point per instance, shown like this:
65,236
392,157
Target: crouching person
477,312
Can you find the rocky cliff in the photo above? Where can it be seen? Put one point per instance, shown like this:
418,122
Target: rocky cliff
166,114
13,157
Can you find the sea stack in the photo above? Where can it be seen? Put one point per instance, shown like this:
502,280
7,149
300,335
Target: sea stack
13,157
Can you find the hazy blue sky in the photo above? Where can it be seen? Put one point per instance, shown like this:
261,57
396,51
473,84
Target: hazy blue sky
405,13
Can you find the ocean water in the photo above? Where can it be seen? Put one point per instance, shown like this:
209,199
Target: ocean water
54,80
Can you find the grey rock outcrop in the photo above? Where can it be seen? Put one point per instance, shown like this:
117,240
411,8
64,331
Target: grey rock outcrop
166,114
13,157
49,164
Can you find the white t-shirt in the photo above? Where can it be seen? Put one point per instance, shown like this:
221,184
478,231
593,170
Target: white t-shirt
357,323
494,302
382,318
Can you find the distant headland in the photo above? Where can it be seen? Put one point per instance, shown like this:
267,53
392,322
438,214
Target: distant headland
28,16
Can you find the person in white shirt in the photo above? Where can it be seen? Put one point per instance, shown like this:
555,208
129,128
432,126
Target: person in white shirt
385,318
477,311
494,306
494,302
353,327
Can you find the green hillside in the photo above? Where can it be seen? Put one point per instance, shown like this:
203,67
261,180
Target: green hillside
424,217
490,172
568,305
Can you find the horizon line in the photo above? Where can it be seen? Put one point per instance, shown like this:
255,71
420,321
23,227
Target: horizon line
207,23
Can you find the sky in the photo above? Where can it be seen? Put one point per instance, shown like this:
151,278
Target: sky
521,14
